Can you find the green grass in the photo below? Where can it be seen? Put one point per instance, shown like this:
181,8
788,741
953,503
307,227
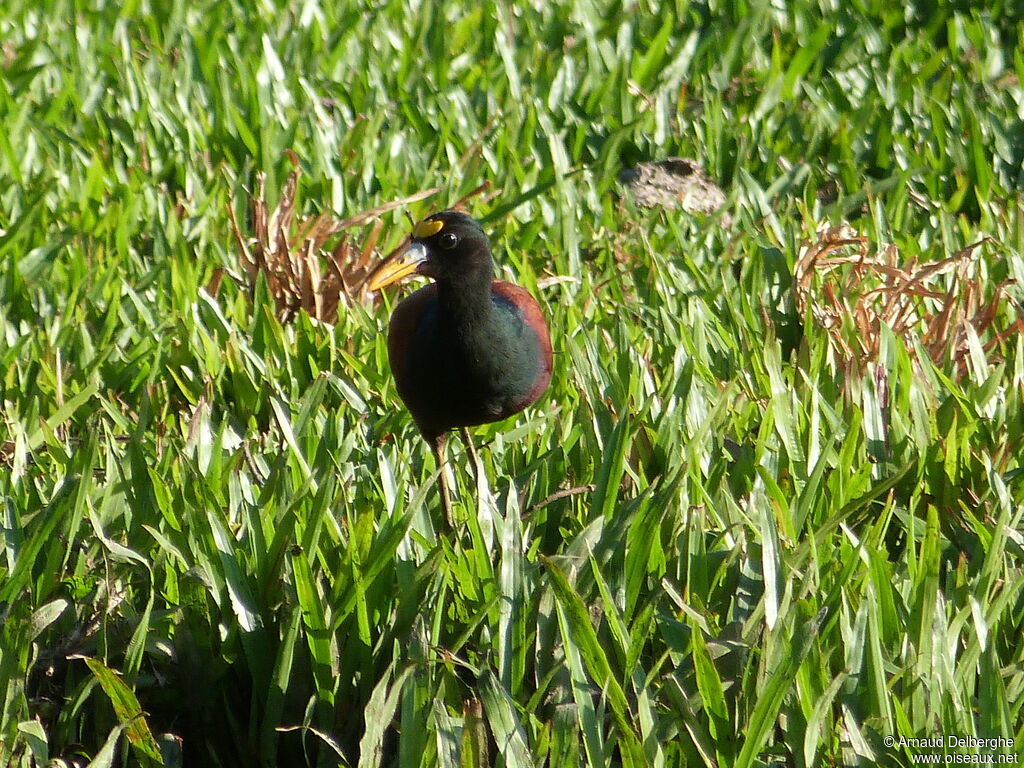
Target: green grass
221,543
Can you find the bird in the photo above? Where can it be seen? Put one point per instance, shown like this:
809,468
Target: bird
466,349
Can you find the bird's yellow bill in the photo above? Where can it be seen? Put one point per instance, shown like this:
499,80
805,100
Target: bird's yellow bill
401,266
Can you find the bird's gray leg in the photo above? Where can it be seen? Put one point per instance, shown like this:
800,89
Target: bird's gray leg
437,444
478,470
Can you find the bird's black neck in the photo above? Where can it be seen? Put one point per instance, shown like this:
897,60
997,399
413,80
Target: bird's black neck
466,301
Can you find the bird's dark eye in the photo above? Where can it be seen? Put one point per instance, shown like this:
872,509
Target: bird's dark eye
448,240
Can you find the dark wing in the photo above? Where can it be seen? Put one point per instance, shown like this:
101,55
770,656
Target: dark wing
533,318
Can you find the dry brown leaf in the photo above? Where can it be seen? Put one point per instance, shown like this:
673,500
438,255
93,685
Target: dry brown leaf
304,270
849,292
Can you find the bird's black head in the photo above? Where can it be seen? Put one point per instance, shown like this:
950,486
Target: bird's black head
448,246
455,246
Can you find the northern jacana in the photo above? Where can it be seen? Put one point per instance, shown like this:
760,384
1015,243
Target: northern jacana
466,349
